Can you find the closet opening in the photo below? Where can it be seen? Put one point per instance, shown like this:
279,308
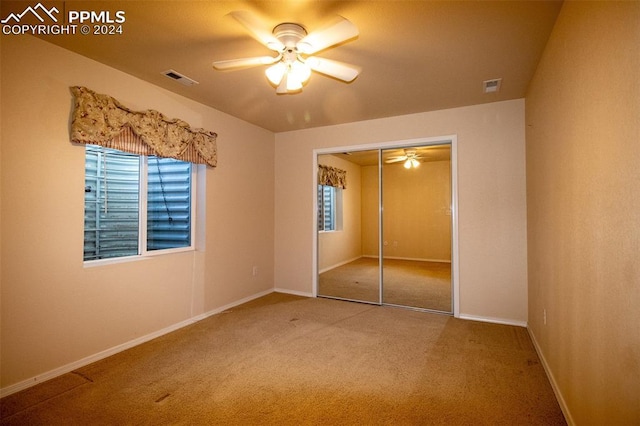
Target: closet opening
397,240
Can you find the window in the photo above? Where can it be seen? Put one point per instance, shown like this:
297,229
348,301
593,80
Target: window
135,205
329,208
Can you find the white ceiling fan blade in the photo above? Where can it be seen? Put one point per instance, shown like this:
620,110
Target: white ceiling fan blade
318,40
256,28
245,62
335,69
395,159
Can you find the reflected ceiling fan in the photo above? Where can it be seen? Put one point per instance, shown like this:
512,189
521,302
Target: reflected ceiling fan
292,65
410,158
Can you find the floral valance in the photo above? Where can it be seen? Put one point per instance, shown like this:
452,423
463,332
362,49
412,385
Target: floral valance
332,176
101,120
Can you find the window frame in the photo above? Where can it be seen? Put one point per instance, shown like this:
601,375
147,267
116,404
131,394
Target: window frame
143,252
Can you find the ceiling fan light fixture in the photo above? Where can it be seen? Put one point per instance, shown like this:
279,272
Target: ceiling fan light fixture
411,162
300,70
275,73
297,74
293,84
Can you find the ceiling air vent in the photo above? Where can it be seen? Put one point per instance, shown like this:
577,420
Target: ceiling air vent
179,78
492,86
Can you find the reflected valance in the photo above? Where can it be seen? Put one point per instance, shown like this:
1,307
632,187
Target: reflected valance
332,176
102,120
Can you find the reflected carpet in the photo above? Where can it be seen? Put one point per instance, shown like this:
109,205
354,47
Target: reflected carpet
418,284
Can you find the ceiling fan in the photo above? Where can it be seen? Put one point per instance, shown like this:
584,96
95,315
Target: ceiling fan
410,158
292,65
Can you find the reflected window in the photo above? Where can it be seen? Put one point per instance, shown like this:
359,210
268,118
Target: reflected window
329,208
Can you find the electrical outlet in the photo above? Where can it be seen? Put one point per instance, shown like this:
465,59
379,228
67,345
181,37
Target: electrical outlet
544,316
255,271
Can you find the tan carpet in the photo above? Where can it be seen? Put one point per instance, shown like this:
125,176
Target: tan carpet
417,284
289,360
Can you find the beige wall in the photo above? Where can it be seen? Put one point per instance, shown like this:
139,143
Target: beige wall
55,311
583,194
370,211
337,247
491,194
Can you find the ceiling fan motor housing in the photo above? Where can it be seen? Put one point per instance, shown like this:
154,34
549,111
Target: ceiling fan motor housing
289,34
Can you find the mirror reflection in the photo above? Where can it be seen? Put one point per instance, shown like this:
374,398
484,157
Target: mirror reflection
413,188
348,227
416,194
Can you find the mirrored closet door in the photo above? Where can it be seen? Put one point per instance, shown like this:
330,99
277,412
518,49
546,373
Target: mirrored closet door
416,243
348,226
401,256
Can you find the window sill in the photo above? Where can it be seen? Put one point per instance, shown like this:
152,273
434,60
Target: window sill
136,258
112,261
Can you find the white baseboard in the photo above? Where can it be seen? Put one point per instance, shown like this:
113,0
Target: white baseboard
504,321
293,292
328,268
552,380
230,305
416,259
119,348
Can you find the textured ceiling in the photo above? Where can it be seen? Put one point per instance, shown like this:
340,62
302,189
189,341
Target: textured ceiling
415,56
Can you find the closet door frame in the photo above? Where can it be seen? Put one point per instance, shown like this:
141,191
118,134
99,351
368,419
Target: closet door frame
450,139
